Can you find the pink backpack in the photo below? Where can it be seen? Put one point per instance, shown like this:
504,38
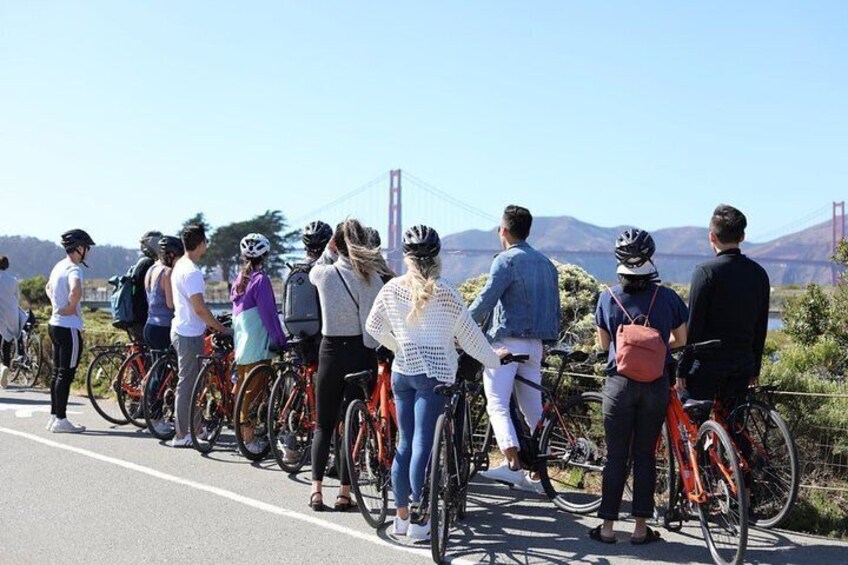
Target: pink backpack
640,351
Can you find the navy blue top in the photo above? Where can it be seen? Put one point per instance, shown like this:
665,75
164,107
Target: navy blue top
669,312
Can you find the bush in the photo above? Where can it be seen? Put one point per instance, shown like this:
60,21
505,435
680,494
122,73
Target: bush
32,290
807,318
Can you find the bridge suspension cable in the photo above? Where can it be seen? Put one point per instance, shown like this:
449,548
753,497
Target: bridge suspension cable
429,188
811,219
340,200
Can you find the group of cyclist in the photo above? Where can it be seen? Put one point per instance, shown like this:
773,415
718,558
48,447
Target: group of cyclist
421,319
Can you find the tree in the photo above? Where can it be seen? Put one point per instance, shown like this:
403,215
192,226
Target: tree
223,252
197,219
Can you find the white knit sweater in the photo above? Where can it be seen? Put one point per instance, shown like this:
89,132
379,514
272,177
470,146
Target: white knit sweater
426,346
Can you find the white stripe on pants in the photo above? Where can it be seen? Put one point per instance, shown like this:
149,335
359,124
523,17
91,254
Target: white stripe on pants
499,383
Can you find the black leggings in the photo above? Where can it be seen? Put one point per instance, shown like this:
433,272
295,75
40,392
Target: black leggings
339,356
67,348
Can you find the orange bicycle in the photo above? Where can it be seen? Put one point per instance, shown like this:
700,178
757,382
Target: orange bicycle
370,432
704,474
130,383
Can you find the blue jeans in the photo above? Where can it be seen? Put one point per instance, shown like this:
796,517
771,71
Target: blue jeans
418,408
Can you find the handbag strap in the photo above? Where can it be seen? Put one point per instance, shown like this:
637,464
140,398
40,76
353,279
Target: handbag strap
347,288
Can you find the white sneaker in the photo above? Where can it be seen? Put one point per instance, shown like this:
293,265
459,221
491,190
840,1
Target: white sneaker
163,428
64,426
184,442
50,422
258,445
503,474
419,532
400,527
4,376
529,485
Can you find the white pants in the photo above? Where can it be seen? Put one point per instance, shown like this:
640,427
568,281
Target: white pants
499,384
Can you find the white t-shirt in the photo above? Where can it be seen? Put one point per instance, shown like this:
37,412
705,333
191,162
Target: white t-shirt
10,318
59,292
186,281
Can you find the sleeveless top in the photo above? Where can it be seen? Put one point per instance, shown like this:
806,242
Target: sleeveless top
158,313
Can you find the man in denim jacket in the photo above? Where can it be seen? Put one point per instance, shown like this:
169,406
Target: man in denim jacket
522,295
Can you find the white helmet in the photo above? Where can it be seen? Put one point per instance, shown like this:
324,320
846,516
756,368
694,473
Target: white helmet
254,245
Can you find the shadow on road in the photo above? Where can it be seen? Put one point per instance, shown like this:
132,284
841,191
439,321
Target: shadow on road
30,401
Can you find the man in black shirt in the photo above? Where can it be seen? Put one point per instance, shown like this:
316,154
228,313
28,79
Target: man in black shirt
728,300
149,248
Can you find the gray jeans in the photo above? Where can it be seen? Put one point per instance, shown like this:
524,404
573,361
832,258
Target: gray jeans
633,418
187,348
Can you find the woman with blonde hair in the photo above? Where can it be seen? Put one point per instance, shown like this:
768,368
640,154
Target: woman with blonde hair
420,317
346,290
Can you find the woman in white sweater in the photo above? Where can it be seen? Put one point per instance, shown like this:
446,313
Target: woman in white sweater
419,318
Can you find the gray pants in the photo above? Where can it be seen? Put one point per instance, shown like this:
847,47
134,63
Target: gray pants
633,418
187,348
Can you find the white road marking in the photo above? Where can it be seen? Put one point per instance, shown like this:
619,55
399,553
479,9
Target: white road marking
27,410
229,495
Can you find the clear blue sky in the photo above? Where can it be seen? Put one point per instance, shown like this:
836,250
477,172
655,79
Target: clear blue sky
120,116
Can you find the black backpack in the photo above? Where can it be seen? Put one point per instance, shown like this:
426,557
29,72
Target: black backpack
301,307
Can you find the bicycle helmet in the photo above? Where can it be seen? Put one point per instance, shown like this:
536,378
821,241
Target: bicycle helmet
634,249
149,243
422,242
254,245
316,236
75,238
168,244
373,238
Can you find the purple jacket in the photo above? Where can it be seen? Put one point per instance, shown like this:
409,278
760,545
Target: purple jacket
259,294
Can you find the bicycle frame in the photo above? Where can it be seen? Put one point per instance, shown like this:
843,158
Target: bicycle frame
221,362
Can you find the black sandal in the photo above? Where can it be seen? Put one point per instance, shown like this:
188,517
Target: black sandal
595,534
317,505
344,506
650,537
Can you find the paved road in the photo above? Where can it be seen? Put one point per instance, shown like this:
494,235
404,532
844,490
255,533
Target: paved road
116,495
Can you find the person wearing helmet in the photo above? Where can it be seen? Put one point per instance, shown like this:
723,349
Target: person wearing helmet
420,317
160,300
522,297
634,410
256,325
316,236
64,289
149,246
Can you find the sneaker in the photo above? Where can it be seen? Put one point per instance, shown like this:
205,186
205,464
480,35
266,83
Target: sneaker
50,422
184,442
163,428
419,532
290,456
64,426
4,376
258,445
529,485
400,526
503,474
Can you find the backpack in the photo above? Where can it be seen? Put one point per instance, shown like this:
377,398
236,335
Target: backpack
640,351
301,307
122,300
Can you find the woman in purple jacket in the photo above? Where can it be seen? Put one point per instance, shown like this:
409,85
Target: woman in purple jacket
256,326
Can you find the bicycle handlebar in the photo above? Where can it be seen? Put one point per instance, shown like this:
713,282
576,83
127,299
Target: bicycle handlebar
513,358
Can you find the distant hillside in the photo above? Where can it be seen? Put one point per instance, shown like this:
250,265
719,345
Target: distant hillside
29,256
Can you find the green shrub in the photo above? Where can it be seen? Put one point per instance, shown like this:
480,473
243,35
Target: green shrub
32,290
807,318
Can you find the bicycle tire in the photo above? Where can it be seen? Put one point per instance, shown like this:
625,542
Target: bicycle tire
208,407
28,375
368,478
576,455
481,429
441,490
716,455
765,474
160,385
131,381
257,416
101,379
465,452
285,412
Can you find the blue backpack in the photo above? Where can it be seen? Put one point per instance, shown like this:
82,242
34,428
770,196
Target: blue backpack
122,300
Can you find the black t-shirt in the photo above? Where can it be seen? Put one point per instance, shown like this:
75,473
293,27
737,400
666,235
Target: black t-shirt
139,271
729,300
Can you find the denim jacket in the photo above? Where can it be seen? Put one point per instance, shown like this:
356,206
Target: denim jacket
523,293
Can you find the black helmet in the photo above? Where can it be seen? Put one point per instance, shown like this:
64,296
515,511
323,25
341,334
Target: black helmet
634,249
316,236
373,238
149,243
170,244
422,242
74,238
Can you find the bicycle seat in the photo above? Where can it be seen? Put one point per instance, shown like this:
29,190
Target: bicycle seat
698,406
445,389
361,379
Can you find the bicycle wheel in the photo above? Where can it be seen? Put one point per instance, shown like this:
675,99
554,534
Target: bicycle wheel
442,488
369,479
101,384
251,412
131,387
27,363
465,463
724,515
772,460
208,407
481,431
573,453
289,427
159,398
665,478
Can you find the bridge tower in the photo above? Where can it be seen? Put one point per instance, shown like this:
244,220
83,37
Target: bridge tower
838,233
395,246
